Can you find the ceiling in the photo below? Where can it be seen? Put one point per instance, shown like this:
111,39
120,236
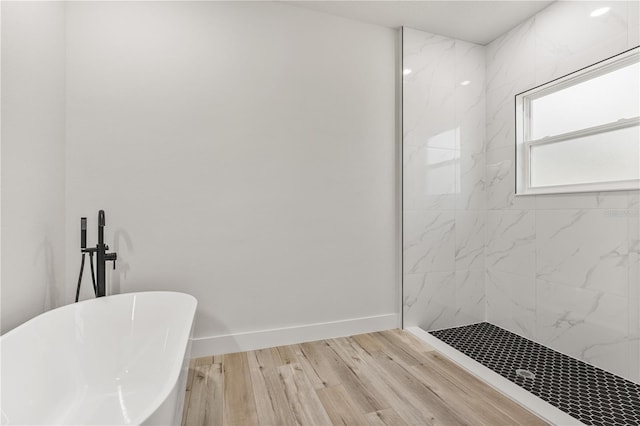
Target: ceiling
475,21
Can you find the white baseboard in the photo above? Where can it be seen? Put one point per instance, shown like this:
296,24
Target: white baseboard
249,341
523,397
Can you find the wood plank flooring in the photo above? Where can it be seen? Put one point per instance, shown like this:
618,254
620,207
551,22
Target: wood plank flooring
385,378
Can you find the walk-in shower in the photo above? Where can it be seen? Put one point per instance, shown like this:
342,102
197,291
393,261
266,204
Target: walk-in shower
543,289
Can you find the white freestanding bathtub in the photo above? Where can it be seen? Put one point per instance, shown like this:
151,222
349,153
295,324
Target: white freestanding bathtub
114,360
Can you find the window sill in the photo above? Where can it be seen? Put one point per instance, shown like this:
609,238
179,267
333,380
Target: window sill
582,189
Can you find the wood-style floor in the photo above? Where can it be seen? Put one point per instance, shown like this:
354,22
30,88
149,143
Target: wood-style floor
385,378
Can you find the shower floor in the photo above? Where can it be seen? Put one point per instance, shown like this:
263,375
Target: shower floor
587,393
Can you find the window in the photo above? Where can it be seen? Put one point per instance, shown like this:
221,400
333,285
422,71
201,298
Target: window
581,132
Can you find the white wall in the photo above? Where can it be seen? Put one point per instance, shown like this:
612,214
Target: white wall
244,153
561,269
32,159
444,187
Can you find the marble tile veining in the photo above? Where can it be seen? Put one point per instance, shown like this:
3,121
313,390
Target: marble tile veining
511,301
583,248
427,89
500,116
429,299
587,200
444,188
500,178
511,241
469,296
567,30
509,58
590,325
470,182
470,239
429,243
469,97
430,176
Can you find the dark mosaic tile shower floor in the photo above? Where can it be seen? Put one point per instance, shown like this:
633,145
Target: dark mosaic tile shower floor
591,395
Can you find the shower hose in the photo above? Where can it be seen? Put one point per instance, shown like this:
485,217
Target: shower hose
93,276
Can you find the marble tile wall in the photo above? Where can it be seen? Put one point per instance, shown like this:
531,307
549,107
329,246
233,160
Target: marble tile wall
444,199
562,270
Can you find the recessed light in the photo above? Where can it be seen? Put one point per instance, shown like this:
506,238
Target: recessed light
599,12
406,71
465,83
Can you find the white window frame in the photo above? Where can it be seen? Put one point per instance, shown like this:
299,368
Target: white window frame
524,143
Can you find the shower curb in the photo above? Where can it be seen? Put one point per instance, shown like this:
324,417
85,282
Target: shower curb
512,391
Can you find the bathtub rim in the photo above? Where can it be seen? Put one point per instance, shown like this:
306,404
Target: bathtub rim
70,306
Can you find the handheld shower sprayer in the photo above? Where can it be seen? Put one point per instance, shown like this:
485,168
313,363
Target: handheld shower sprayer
83,232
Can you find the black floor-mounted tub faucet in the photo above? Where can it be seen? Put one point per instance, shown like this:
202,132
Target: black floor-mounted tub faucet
102,257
